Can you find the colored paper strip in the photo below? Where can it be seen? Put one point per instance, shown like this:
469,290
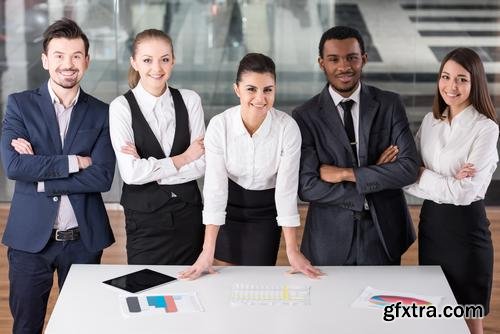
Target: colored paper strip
171,307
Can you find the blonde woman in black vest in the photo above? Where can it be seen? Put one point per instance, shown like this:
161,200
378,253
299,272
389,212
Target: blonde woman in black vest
157,134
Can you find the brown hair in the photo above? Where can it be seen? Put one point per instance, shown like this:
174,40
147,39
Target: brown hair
64,28
256,62
479,96
133,75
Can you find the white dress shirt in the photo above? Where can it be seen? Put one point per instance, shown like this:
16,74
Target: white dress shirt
268,159
445,148
159,113
66,218
337,98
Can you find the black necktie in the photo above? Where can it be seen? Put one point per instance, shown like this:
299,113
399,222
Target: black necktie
349,127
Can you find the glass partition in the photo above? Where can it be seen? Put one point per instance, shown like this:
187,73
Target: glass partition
405,42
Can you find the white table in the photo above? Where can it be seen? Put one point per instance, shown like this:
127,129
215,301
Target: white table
87,306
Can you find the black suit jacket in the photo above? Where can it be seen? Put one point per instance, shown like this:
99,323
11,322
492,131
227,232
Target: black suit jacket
329,225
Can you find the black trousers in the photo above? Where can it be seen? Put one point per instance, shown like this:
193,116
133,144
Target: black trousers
171,235
31,278
366,246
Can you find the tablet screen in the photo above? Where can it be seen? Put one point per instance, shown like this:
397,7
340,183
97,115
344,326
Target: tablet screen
140,280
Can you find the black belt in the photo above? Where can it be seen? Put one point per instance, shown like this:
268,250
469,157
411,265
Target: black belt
358,215
67,235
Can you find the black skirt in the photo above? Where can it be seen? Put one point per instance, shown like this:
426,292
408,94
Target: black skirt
250,235
171,235
458,238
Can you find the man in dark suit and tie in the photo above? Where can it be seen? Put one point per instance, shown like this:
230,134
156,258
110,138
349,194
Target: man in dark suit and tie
55,144
357,154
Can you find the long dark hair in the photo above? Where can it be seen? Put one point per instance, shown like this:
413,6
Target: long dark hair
479,96
133,75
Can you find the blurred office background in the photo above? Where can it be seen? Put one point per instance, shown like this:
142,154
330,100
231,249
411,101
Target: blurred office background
405,43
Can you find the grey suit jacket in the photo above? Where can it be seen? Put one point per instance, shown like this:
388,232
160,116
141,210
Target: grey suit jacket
329,225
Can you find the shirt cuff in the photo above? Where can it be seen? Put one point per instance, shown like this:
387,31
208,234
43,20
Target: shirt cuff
73,164
427,181
289,221
40,187
168,164
214,218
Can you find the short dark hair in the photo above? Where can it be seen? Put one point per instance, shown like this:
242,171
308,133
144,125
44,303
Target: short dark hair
64,28
341,32
256,62
479,96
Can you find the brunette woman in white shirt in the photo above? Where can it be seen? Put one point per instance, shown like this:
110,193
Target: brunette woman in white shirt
157,134
250,190
458,145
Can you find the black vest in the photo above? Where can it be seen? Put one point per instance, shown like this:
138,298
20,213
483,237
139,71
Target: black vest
151,196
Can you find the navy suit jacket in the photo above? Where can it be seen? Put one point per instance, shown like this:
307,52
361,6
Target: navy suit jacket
329,225
30,115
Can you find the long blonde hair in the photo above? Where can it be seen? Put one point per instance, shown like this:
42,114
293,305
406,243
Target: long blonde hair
133,75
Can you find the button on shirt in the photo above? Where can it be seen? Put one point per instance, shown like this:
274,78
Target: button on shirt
66,218
159,112
268,159
445,148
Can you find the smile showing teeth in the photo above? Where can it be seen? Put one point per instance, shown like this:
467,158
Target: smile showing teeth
159,76
452,95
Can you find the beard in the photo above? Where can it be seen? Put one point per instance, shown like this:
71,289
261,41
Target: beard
66,83
344,89
341,89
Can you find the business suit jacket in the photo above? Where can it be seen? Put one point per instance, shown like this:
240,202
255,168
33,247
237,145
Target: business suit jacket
329,225
30,115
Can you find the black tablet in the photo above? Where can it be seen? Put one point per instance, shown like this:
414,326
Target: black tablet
140,280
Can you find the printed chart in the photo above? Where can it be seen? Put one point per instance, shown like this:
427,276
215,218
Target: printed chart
140,305
375,298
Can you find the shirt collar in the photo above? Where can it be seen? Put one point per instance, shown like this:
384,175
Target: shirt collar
463,119
240,129
337,98
265,127
146,99
55,99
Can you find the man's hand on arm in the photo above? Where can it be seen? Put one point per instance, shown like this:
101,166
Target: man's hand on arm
334,174
22,146
83,162
389,155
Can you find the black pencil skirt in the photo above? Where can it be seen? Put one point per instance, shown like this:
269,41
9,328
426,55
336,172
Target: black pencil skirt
171,235
458,238
250,236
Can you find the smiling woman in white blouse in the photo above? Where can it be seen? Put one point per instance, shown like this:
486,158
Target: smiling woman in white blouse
157,134
252,166
458,146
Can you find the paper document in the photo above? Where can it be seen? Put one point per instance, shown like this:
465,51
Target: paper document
375,298
146,304
253,294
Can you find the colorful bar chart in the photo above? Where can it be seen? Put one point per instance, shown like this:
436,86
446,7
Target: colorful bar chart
133,305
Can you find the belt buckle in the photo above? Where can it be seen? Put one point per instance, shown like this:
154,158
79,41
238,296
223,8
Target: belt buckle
56,236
